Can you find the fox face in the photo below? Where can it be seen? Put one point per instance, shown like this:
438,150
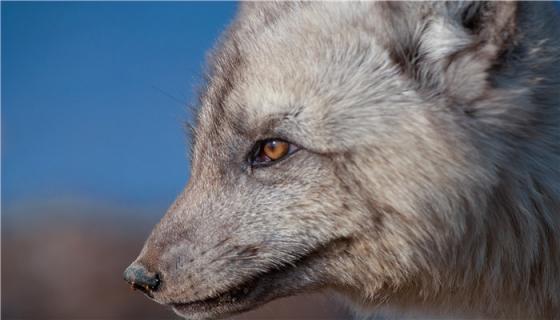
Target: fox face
336,147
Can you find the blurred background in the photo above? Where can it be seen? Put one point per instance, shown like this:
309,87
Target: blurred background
94,97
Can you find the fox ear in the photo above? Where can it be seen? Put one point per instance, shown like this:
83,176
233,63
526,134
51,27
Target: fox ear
456,49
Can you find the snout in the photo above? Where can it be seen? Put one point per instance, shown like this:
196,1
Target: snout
142,279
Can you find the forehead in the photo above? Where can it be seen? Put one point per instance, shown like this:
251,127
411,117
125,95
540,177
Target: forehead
312,63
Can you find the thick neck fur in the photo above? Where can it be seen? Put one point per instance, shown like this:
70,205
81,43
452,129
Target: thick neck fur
506,265
507,262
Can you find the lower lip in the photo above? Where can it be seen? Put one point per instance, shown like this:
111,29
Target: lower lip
210,303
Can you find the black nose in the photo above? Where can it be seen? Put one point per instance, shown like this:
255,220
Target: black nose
140,278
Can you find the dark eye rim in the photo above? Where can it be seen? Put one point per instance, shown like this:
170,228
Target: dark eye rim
293,148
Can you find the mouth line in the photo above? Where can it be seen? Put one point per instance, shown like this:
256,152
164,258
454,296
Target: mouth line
241,295
253,291
232,296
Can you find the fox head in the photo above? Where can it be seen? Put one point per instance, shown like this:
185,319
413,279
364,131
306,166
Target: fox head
341,146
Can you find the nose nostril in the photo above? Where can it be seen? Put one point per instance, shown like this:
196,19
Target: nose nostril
154,282
141,279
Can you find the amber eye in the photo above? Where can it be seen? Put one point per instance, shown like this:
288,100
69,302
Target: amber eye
271,150
275,149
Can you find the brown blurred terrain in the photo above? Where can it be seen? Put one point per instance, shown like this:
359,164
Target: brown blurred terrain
64,260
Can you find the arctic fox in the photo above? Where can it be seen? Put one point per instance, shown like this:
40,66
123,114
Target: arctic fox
403,155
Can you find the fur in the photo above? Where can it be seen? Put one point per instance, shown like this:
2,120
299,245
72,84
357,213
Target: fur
428,175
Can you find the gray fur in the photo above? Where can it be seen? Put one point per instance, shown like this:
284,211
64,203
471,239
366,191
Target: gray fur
429,172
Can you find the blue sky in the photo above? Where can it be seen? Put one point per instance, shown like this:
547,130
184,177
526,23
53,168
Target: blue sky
94,97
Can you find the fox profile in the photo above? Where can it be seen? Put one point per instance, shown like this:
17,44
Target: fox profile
403,155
